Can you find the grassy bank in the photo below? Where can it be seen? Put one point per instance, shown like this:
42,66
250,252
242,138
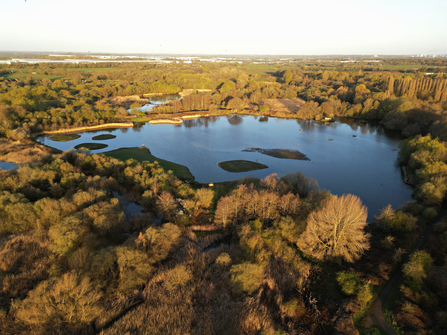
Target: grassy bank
141,155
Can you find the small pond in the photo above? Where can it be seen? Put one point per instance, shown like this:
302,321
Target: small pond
130,208
361,158
158,100
8,166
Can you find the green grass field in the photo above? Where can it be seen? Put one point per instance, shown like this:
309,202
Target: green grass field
103,137
23,73
64,137
181,171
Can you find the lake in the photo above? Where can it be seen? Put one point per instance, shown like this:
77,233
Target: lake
361,159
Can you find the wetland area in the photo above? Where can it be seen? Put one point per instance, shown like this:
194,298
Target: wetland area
345,156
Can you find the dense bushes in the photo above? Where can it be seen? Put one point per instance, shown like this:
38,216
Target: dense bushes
427,157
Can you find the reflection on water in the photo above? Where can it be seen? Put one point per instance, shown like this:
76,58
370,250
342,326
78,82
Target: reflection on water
8,166
130,208
205,121
158,100
234,119
361,158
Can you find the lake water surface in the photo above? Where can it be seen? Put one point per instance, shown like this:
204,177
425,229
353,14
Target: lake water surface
361,159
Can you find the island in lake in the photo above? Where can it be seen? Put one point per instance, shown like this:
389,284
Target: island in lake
241,166
280,153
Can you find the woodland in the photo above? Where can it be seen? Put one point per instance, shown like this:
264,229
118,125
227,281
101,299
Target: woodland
277,255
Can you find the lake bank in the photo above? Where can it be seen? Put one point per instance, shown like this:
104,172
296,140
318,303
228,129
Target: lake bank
83,129
142,154
19,152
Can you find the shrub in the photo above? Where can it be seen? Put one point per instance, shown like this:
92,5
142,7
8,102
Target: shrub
223,260
67,236
388,242
348,282
177,277
396,222
134,268
418,266
70,299
364,294
429,213
205,197
246,277
264,109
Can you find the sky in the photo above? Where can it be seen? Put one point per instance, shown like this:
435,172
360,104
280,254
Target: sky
229,27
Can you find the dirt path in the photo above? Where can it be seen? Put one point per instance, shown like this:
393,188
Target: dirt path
376,318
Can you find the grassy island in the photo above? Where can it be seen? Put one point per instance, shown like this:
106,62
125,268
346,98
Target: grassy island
144,154
280,153
241,166
64,137
103,137
91,146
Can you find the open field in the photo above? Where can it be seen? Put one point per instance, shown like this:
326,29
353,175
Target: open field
141,155
408,66
23,73
241,166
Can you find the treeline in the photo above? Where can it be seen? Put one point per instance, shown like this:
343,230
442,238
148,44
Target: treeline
192,102
424,89
410,102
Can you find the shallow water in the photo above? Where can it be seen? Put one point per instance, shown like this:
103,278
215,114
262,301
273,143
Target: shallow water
8,166
365,165
157,100
130,208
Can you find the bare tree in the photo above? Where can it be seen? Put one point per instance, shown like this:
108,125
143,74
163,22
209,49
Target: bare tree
337,230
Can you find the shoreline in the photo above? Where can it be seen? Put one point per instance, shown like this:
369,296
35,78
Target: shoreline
82,129
166,121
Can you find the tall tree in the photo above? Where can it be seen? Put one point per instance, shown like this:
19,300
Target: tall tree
337,230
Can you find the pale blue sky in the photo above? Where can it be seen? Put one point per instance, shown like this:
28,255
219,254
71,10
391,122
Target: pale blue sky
287,27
